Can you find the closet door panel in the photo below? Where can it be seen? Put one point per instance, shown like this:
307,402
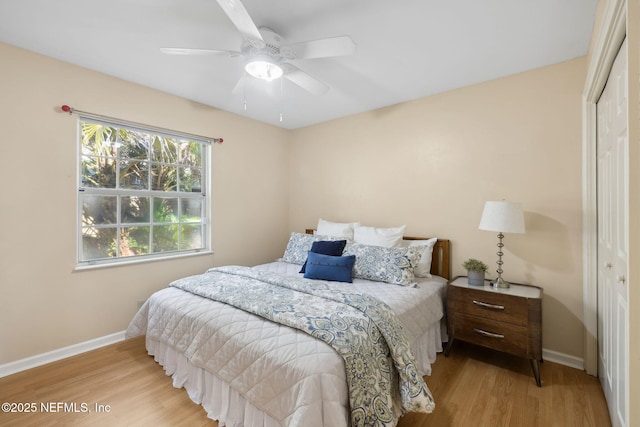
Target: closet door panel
612,188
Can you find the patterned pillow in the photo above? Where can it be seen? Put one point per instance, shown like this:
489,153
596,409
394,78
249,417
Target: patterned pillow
390,265
299,246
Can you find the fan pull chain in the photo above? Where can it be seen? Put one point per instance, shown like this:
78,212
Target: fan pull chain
244,91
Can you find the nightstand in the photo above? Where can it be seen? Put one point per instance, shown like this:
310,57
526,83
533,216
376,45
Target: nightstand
508,320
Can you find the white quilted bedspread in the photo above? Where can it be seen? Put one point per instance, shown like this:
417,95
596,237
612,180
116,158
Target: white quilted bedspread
284,372
417,307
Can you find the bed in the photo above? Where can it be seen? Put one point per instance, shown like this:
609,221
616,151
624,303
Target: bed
246,369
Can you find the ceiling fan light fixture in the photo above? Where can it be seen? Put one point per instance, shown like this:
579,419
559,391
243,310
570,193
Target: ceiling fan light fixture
264,70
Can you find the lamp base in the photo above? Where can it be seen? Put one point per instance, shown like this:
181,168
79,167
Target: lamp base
500,283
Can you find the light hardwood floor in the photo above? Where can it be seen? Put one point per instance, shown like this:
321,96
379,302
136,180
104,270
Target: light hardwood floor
472,387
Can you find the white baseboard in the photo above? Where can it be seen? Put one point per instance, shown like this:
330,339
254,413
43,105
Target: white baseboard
61,353
72,350
563,359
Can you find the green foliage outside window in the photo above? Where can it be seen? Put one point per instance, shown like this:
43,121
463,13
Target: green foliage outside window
141,193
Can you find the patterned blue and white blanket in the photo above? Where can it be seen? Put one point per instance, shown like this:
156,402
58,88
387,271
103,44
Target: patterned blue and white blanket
363,330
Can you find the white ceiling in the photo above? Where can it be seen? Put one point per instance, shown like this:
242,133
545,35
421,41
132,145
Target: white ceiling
406,49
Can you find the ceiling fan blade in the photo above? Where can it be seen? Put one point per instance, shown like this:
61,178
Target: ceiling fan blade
304,80
196,52
239,16
323,48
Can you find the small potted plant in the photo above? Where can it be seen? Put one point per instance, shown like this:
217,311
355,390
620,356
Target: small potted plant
475,271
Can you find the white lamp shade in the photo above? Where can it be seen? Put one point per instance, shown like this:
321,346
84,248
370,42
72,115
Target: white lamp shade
503,217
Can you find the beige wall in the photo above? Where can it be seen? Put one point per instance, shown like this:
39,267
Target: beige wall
44,303
431,164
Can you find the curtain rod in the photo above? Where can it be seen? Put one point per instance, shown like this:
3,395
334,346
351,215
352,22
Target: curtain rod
86,114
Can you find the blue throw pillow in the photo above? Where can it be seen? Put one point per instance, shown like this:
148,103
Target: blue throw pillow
327,267
326,247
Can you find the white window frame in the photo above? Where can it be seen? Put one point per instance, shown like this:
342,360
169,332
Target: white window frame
204,196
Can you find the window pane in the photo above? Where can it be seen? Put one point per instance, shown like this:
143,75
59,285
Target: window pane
191,210
99,172
191,237
99,209
165,209
164,177
134,209
134,241
190,153
164,150
134,175
165,238
98,243
98,140
134,144
190,179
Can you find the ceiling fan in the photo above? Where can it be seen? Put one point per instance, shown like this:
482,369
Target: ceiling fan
266,57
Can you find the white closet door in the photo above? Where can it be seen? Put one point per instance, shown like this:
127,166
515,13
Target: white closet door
612,152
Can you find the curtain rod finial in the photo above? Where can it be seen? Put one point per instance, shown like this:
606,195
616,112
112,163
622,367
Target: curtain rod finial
66,109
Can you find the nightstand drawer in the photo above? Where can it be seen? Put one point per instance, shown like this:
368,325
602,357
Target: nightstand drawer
489,305
490,333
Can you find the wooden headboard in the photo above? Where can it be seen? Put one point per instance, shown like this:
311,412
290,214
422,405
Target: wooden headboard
440,260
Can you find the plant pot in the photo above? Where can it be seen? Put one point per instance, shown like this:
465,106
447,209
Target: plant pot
475,278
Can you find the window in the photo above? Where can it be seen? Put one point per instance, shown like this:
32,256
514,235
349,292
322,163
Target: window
142,194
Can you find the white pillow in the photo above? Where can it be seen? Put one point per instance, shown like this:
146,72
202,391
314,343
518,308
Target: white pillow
387,237
337,229
423,269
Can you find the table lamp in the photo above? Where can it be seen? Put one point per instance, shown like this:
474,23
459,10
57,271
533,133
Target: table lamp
503,217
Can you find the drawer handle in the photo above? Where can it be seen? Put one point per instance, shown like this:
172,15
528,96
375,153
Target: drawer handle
488,334
484,304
